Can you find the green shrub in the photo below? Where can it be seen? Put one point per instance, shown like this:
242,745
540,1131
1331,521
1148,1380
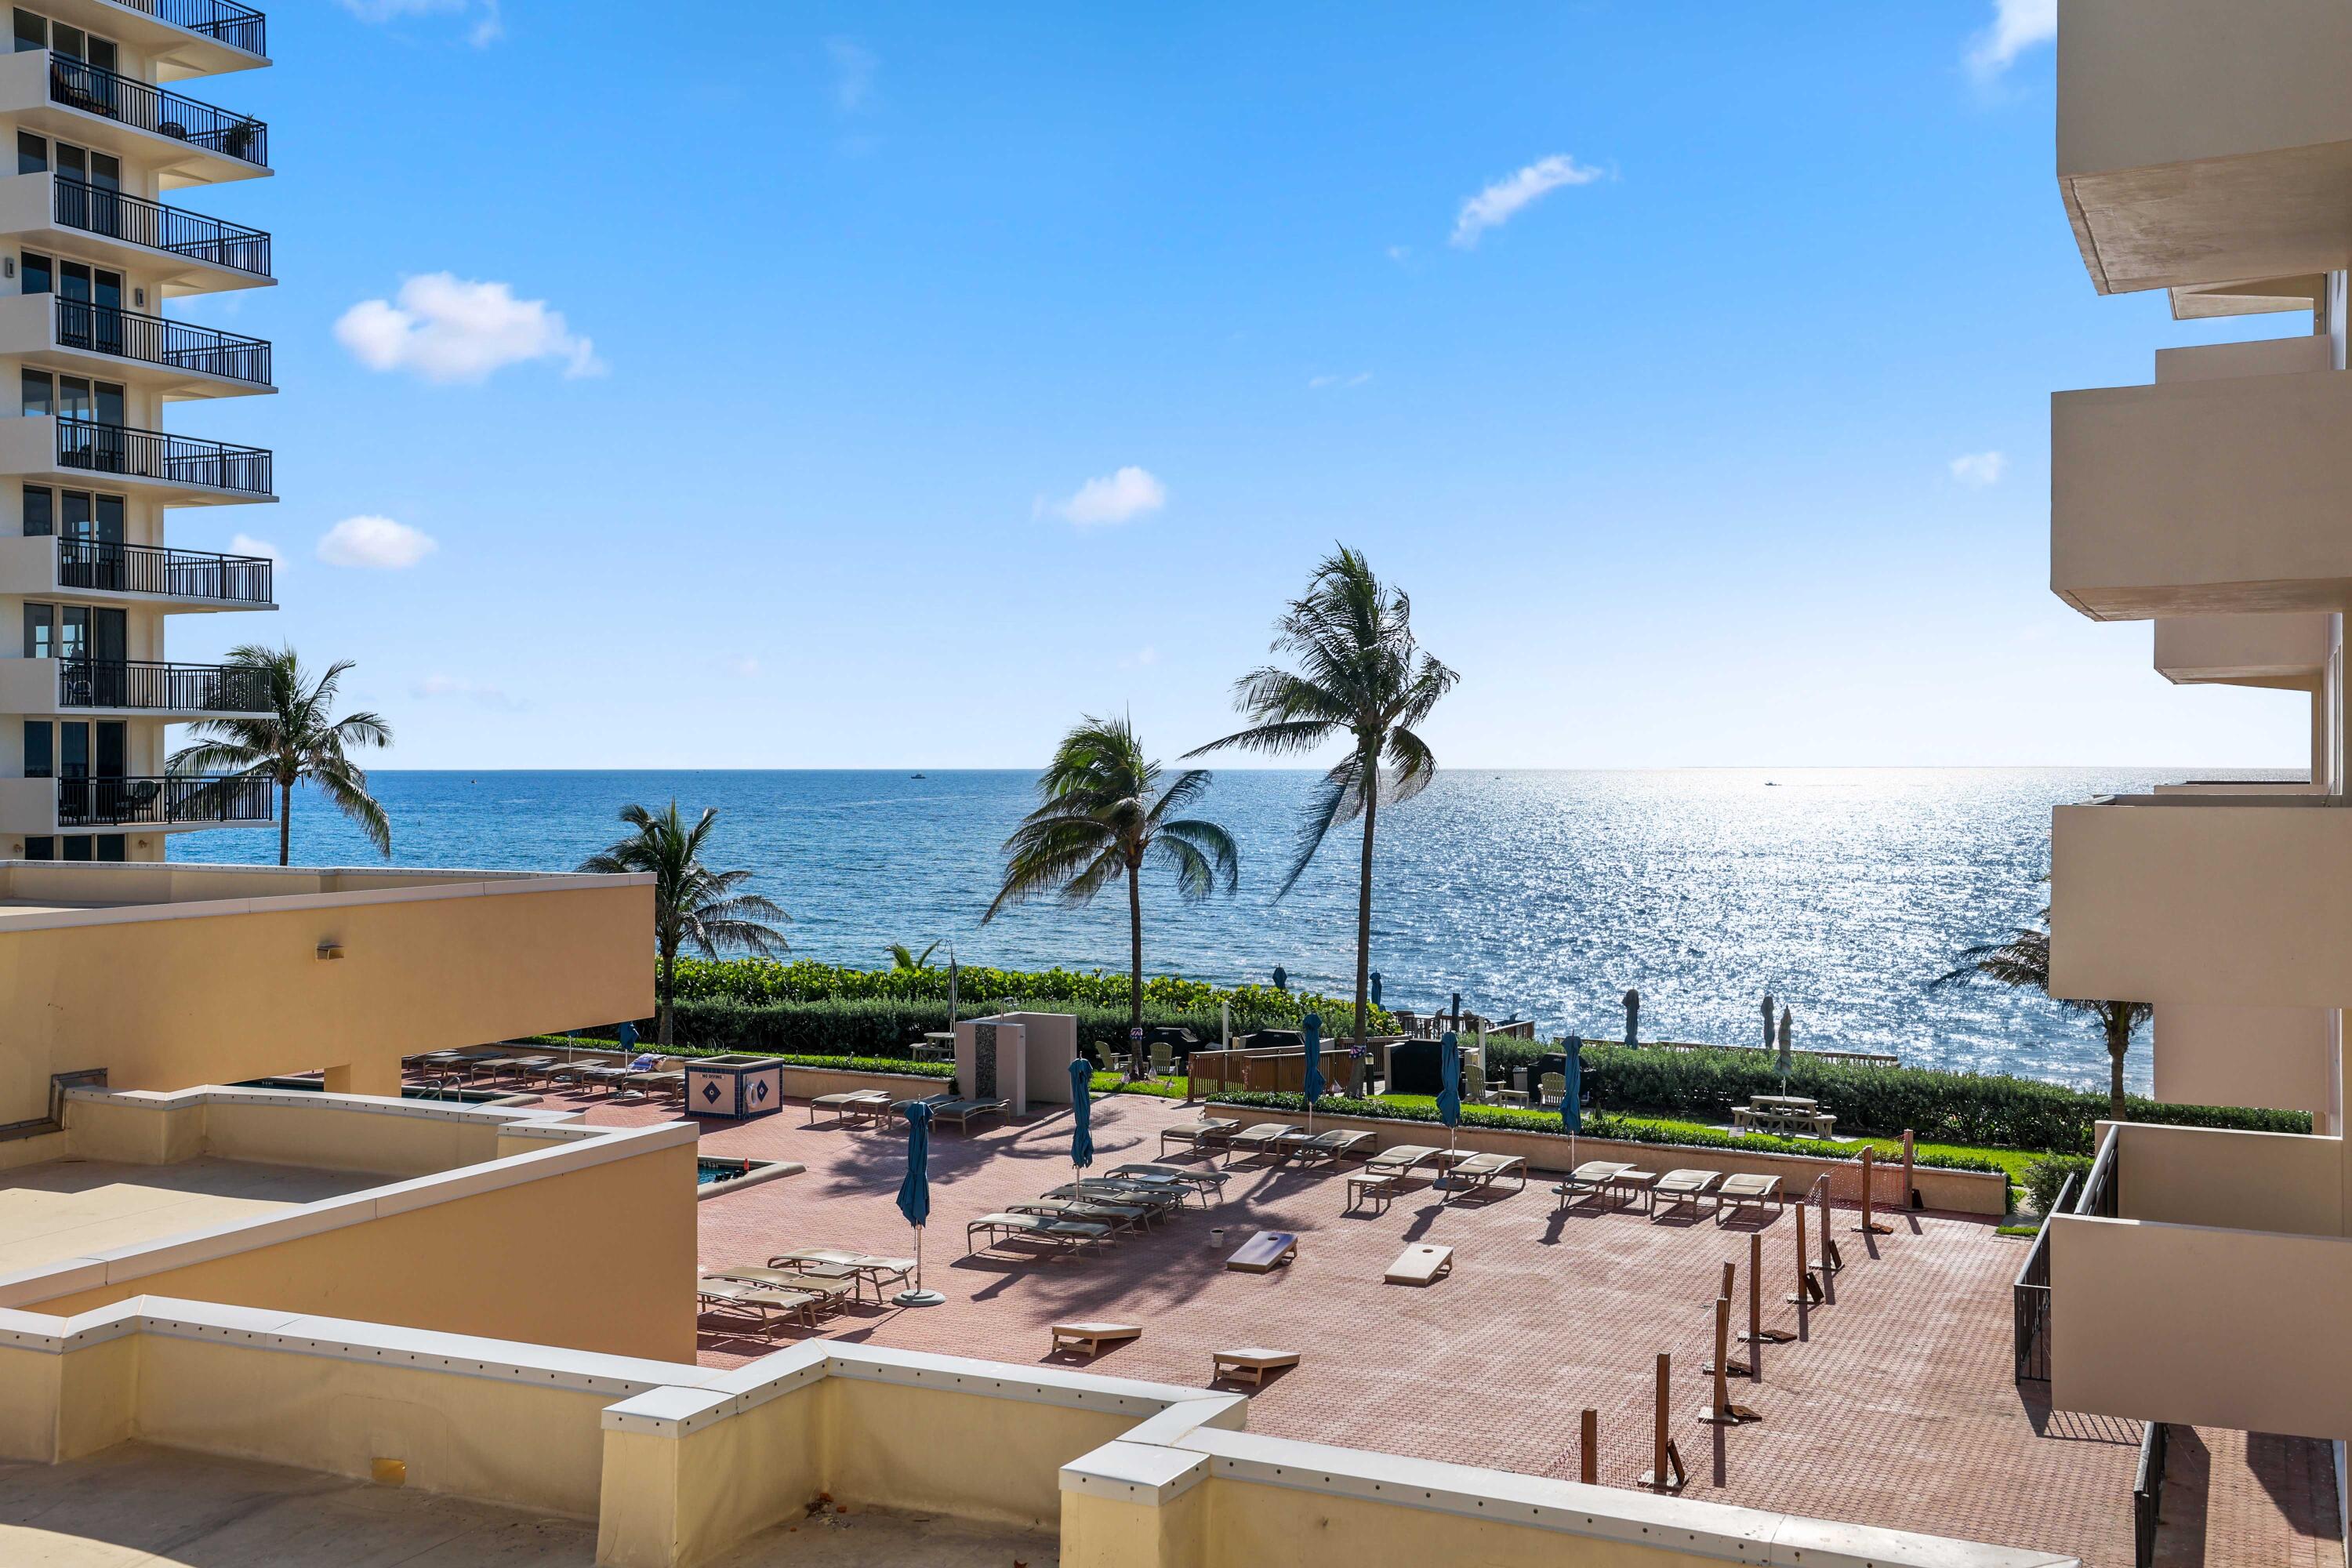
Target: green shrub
1982,1109
761,980
1600,1125
2047,1174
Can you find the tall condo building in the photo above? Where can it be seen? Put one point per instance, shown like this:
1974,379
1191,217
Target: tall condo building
92,243
2205,149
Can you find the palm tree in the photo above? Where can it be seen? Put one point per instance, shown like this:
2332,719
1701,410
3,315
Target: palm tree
2023,959
904,959
1362,678
1102,814
294,743
694,906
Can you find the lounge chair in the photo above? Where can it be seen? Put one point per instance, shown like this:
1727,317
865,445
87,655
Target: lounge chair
1746,1191
1157,1196
1678,1188
1481,1171
721,1294
842,1105
1118,1216
1069,1234
962,1112
877,1267
1206,1135
1206,1183
1275,1138
1597,1178
1402,1158
1335,1144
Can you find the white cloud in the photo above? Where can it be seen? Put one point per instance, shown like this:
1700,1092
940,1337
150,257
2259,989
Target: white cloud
376,542
2017,27
1399,253
853,74
447,329
479,693
1319,382
744,668
1501,200
246,544
1114,497
488,27
1979,469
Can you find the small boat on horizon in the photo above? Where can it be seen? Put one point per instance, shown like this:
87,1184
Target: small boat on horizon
914,775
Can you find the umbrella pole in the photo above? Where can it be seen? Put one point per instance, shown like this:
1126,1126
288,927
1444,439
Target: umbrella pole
915,1295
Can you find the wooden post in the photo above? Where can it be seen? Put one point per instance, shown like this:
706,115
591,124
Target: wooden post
1719,1368
1666,1472
1808,1290
1832,1261
1870,1226
1720,1411
1758,1334
1588,1465
1910,1195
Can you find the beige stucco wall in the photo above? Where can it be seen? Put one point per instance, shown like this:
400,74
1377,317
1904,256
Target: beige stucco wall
963,1454
2247,1181
2210,1054
2243,905
2201,497
219,995
1254,1523
2201,1326
2267,648
598,1259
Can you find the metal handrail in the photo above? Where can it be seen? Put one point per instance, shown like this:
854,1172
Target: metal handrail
2101,1188
153,455
162,800
2030,1299
168,688
156,339
94,89
108,566
238,26
135,220
2148,1492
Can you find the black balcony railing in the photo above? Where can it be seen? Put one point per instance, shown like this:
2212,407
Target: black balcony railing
153,340
238,26
150,569
159,802
135,220
152,455
94,89
166,687
2030,1299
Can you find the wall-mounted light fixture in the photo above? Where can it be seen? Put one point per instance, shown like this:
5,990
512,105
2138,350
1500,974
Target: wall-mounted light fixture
139,298
8,266
327,950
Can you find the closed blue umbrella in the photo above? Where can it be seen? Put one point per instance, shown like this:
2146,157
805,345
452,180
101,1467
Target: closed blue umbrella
1082,1138
915,1197
1571,1095
1449,1084
1310,1030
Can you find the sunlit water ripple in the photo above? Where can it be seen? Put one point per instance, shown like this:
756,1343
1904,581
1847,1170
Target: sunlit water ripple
1541,894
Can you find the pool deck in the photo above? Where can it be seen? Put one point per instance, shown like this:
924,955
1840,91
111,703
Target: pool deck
73,1208
1894,1406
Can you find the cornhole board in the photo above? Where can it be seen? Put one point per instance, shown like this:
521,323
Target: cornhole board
1251,1362
1423,1263
1264,1253
1093,1337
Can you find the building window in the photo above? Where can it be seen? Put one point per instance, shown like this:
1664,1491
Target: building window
78,848
40,511
40,393
40,749
32,154
40,848
32,32
37,273
39,622
109,846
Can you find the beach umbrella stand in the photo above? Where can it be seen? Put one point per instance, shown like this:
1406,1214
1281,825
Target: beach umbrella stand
915,1199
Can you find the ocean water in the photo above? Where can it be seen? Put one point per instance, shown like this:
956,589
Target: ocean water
1544,895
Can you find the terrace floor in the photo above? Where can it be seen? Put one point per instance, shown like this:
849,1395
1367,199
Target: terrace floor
1894,1406
139,1506
71,1208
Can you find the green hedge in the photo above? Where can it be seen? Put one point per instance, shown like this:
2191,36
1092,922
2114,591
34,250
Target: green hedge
899,1065
763,980
1983,1109
1598,1125
2047,1174
882,1025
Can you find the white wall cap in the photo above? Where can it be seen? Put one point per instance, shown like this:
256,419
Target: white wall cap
668,1411
1038,1385
30,1287
1229,1412
1135,1472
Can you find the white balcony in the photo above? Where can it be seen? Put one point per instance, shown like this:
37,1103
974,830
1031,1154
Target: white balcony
2204,141
174,360
177,471
184,142
2214,1297
128,688
139,807
183,38
51,566
2214,496
184,252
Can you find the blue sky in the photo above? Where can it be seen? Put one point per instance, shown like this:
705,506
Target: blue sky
827,385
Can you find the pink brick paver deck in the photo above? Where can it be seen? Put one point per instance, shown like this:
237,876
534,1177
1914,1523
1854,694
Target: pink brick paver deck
1895,1407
